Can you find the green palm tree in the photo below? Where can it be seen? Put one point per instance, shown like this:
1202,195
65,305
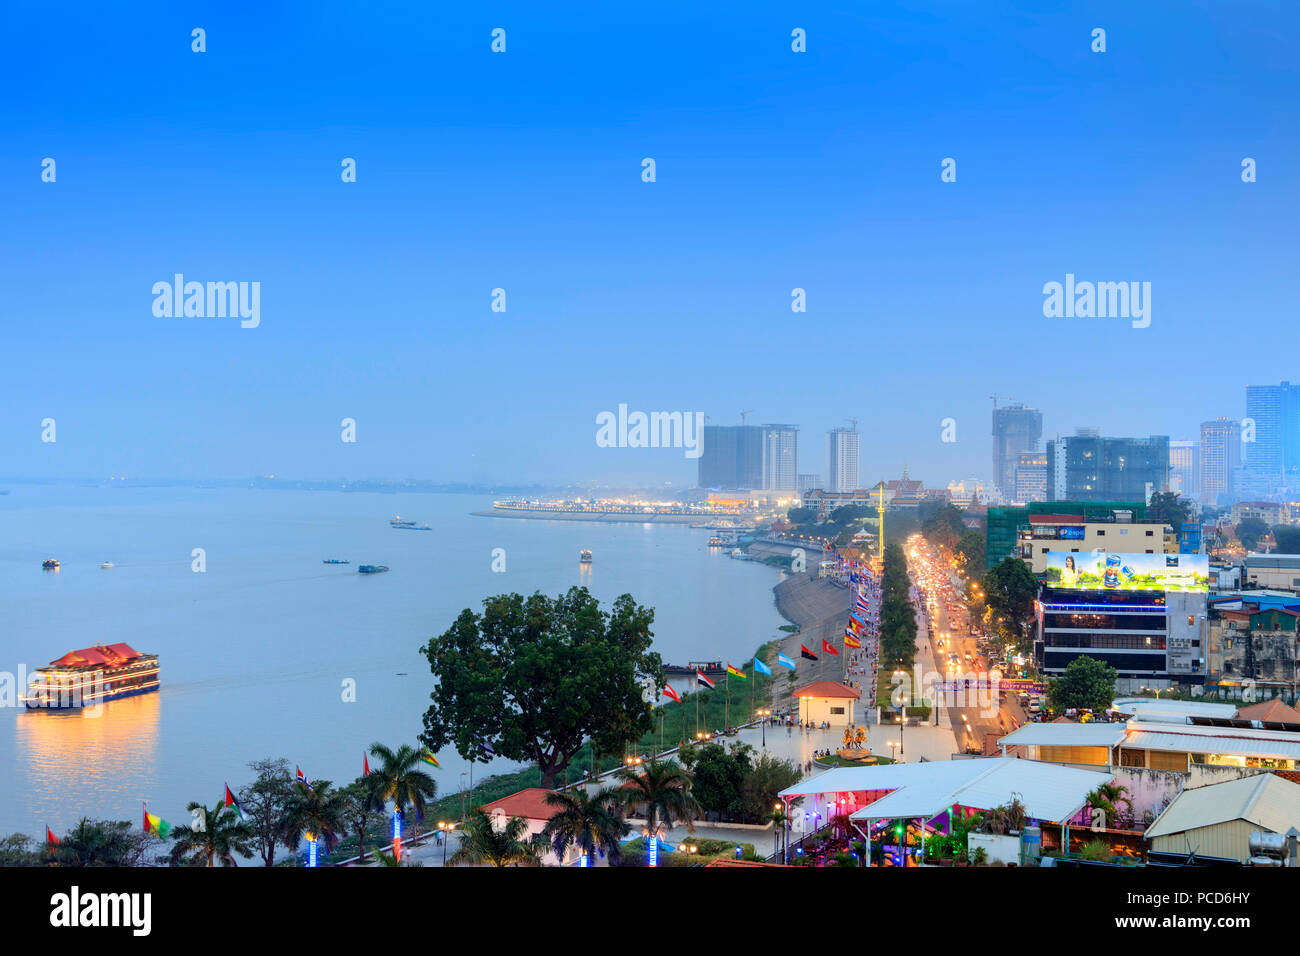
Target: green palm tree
1107,799
222,836
320,812
398,778
482,844
665,789
586,822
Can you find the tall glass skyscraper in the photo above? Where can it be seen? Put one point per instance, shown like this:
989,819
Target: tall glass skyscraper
1220,460
1270,457
1088,467
731,457
1016,428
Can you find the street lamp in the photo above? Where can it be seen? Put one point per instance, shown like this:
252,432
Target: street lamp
763,714
446,829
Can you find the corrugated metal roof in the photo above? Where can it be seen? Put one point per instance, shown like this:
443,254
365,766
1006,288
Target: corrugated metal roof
1049,791
1264,799
1260,743
1066,735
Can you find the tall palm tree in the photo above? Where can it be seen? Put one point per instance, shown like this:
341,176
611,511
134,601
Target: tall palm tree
483,844
665,789
320,812
398,778
585,822
222,837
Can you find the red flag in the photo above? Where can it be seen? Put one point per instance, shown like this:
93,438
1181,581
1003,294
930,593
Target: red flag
828,647
671,694
50,838
366,759
804,652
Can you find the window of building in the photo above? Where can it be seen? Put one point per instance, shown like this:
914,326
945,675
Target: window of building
1101,532
1149,551
1150,533
837,710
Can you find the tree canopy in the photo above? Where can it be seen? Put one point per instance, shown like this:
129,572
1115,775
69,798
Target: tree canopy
1287,538
1250,530
1088,684
944,527
533,678
1010,590
1169,507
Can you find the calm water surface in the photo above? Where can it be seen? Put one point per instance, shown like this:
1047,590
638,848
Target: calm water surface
254,651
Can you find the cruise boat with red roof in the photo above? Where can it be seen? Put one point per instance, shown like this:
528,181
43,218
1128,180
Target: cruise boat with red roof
92,676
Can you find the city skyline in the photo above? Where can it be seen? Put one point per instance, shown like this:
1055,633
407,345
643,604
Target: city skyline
775,172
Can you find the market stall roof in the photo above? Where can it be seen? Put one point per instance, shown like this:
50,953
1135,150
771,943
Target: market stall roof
1264,799
1049,791
1066,735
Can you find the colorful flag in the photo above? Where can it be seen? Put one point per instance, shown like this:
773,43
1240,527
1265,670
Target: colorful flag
233,803
302,779
156,825
736,673
828,647
365,760
804,652
427,756
487,749
785,661
760,667
50,838
671,694
851,641
703,681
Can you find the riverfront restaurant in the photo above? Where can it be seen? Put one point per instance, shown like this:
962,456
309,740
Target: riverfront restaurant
901,806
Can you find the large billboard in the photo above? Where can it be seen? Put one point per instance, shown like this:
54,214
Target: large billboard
1111,571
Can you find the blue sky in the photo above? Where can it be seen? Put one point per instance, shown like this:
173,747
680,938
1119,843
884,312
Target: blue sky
522,171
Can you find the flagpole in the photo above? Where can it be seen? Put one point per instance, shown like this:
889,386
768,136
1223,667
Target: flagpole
726,714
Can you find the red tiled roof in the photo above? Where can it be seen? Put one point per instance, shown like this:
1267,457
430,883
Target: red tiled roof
827,688
1270,710
530,804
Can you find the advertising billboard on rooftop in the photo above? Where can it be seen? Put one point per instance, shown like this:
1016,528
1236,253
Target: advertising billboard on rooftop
1111,571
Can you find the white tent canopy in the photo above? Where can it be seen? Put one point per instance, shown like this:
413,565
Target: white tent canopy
921,790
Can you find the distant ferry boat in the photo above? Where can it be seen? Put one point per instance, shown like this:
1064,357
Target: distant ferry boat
715,541
585,556
49,564
371,568
108,564
399,522
336,561
92,675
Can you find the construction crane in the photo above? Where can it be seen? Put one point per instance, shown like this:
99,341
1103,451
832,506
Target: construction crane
995,400
743,414
854,422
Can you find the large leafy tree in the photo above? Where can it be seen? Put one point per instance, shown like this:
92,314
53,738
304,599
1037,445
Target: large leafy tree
970,554
482,844
586,822
360,806
100,843
1249,531
1088,684
944,527
219,838
264,802
1287,538
533,678
664,789
1171,508
719,779
1010,590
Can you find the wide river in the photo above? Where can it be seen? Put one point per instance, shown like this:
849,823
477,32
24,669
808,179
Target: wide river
256,651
